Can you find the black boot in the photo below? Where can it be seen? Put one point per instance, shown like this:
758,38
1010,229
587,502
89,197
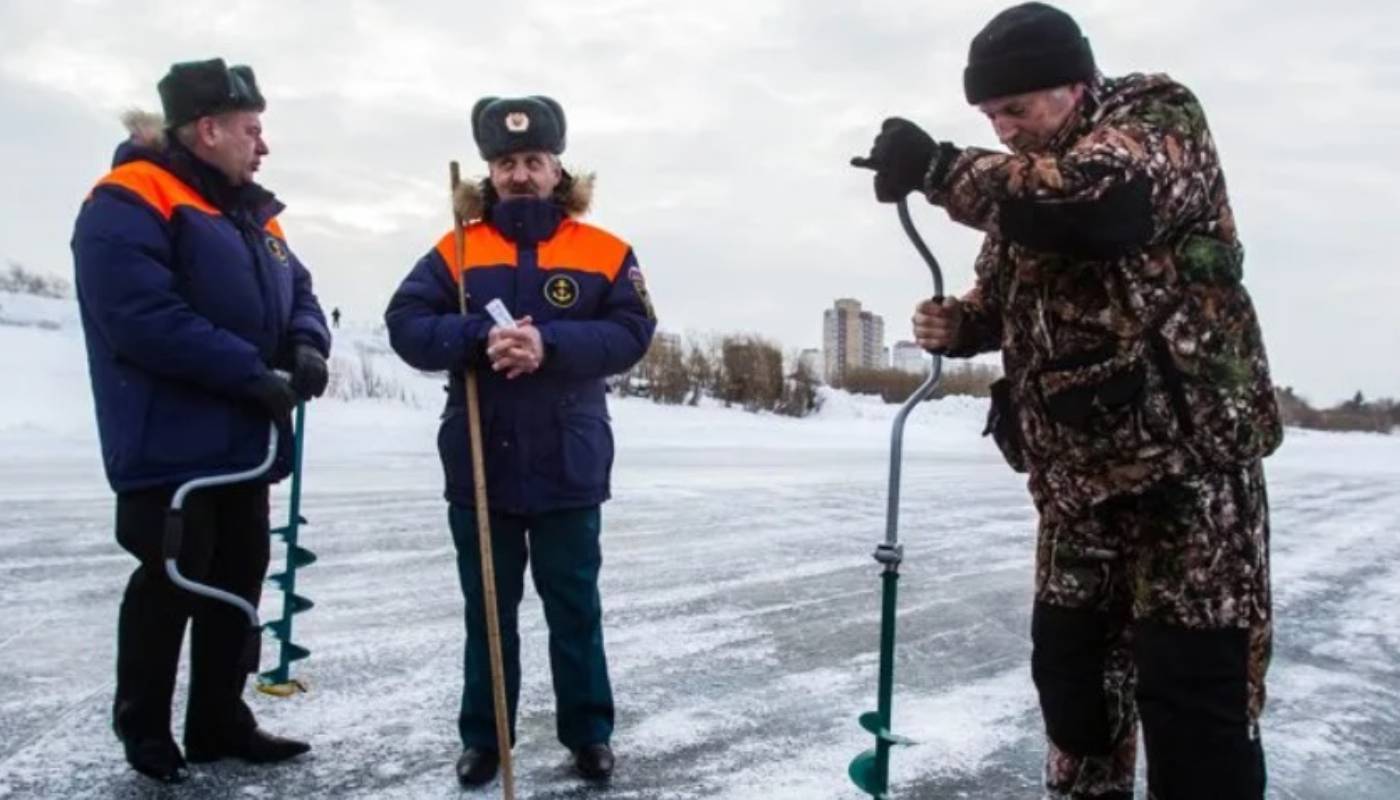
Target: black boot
158,759
256,746
594,761
477,766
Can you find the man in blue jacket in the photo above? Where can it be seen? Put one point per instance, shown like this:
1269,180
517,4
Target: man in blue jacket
583,313
190,298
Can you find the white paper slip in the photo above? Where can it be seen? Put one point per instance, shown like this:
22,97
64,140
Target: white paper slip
498,312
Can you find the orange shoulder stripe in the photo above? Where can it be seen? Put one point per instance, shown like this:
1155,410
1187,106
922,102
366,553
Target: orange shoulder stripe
161,190
583,247
275,228
485,248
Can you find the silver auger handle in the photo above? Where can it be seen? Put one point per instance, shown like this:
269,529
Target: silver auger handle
890,553
174,535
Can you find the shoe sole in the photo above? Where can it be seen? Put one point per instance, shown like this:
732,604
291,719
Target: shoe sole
169,779
196,757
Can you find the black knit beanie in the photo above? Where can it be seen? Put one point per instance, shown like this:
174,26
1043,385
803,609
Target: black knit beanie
1026,48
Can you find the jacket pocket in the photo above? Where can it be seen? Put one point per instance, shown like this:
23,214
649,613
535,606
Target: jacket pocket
186,428
1004,425
1102,406
586,448
1217,377
455,451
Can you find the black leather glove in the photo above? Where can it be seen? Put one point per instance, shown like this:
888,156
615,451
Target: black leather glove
309,373
902,156
274,394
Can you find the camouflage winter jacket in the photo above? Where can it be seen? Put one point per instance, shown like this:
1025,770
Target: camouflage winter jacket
1110,279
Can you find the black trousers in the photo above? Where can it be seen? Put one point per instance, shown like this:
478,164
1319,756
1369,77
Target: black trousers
225,545
1155,609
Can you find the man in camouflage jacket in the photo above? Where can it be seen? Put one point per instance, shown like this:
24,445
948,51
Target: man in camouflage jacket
1136,398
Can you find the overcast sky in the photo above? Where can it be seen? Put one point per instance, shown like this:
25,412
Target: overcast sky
720,133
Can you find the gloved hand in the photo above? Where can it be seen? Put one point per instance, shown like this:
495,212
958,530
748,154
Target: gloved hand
309,373
902,156
274,394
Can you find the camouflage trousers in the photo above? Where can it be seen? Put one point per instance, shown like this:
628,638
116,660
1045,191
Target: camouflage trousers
1153,610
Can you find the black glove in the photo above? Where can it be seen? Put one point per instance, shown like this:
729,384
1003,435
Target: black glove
274,394
901,157
309,374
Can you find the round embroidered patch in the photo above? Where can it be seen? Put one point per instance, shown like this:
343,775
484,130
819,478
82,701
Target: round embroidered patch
277,249
561,291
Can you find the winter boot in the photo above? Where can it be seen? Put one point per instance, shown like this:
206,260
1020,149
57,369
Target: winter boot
255,746
594,761
477,766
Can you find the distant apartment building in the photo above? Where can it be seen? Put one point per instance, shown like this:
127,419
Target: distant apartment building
811,360
909,357
852,338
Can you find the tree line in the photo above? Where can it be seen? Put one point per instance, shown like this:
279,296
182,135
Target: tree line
743,370
751,372
1356,414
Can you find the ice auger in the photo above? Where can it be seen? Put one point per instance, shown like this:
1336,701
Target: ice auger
276,681
871,770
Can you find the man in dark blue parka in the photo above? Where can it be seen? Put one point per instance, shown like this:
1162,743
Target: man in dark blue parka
191,301
582,313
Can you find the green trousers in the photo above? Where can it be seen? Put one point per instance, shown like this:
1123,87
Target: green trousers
564,556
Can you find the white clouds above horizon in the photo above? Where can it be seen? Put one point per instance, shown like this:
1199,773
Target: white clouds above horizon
720,133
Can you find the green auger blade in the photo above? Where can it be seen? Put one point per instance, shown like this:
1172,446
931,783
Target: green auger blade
284,530
301,557
290,652
296,652
278,628
278,675
281,627
297,558
863,772
871,721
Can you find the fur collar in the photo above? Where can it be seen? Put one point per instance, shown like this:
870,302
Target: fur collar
147,129
574,195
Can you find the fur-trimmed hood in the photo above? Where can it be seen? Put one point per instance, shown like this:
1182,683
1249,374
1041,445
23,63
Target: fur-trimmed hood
150,140
147,129
473,200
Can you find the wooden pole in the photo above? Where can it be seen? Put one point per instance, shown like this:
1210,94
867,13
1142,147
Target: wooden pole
483,516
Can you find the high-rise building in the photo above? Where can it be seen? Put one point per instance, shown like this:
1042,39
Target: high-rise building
851,339
872,345
909,357
810,360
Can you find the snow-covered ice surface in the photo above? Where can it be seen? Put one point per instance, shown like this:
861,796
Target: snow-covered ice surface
741,606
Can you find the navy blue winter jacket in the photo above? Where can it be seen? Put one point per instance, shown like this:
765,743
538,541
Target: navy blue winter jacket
548,441
188,294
